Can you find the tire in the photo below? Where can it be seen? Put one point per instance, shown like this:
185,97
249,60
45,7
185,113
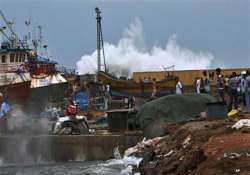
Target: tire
83,127
66,126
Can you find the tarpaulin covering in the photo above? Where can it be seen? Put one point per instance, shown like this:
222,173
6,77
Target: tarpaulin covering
43,59
81,100
173,108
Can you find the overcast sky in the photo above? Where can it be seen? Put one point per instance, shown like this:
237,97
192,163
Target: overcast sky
219,27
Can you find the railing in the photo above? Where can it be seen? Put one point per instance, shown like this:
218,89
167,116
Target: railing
65,70
8,68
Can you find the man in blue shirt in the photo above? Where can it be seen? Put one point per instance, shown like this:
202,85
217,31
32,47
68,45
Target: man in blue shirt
4,110
4,107
233,87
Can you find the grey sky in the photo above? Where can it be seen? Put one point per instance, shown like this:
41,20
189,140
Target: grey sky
221,27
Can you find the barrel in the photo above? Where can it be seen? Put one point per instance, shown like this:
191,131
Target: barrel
118,120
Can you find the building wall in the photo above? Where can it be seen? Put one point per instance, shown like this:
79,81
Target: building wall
187,77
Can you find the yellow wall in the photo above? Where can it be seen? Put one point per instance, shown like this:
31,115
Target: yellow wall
187,77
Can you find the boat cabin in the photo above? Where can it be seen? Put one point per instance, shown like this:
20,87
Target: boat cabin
16,59
39,65
12,58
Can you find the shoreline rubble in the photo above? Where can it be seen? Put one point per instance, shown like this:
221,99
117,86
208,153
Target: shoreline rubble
196,148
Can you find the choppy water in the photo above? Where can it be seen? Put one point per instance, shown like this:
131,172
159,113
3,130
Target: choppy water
112,167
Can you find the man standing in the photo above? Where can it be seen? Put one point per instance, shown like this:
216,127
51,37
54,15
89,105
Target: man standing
248,91
178,87
243,86
220,85
198,86
206,82
154,90
4,106
4,110
233,86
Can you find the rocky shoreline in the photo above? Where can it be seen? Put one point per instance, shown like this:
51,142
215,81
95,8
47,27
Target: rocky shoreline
196,148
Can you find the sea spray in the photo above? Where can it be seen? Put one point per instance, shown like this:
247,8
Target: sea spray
128,162
130,55
22,145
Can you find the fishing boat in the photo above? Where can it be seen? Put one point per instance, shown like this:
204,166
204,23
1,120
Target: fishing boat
47,84
131,88
27,72
14,83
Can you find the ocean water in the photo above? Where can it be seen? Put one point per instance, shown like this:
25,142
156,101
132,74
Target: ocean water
110,167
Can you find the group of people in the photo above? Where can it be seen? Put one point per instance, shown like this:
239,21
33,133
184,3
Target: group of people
232,89
236,87
202,85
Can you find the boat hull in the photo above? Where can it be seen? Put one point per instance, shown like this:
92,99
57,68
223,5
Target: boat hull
16,91
128,88
40,97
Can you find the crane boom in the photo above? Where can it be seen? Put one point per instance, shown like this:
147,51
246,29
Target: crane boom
4,34
11,29
7,23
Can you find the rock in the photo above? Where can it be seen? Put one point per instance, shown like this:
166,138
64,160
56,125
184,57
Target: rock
155,129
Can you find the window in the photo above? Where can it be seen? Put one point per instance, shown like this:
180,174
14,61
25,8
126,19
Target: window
17,55
23,57
12,57
20,57
3,59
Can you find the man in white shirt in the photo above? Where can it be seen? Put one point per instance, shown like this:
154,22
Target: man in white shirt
178,87
198,85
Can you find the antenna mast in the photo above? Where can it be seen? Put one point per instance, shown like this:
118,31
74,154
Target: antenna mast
100,45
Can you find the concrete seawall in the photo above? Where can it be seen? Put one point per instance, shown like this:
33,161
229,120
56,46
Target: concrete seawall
49,148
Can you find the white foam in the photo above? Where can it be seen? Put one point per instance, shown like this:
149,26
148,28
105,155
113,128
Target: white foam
130,55
132,160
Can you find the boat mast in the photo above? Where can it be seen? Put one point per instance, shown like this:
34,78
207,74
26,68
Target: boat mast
100,45
40,38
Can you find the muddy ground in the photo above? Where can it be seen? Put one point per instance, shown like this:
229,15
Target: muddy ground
199,148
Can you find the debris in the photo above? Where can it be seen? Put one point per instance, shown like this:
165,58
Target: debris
233,113
232,155
141,145
186,141
241,123
169,153
237,170
192,148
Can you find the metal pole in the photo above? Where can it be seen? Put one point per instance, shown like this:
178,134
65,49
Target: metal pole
98,19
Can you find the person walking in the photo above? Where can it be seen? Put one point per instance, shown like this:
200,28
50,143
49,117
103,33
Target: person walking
233,87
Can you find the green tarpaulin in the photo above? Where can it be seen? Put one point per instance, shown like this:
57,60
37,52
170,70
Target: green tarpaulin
173,108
